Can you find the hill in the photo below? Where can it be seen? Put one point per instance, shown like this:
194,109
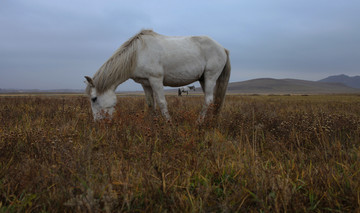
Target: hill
288,86
353,82
255,86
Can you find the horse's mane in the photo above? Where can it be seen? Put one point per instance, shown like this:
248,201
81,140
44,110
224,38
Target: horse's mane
119,67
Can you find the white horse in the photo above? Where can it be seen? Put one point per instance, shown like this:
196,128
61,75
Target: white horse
155,61
185,89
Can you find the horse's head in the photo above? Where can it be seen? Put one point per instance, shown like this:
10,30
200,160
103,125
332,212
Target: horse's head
102,104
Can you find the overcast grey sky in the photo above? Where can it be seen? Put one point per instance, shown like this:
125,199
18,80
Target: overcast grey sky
53,44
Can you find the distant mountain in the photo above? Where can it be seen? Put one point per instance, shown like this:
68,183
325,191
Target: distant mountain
353,82
288,86
255,86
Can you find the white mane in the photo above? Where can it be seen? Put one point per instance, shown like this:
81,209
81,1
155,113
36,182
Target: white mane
120,65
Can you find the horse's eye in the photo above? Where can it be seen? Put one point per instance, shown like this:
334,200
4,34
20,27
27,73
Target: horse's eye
93,99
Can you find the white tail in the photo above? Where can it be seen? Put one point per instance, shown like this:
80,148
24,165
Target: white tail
221,85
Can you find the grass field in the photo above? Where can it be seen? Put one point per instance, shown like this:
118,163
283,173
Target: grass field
263,154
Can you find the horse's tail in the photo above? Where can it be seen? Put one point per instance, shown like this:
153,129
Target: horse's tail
221,85
179,92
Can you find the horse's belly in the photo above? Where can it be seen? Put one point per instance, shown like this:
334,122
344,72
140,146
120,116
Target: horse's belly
181,76
184,71
177,82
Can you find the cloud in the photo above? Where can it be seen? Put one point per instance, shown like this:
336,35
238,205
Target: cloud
54,44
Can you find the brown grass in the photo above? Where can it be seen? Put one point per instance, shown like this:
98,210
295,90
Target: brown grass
264,154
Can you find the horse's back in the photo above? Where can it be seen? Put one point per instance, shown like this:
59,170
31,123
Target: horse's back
181,60
178,49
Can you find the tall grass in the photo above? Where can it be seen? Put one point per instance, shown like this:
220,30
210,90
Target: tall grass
263,154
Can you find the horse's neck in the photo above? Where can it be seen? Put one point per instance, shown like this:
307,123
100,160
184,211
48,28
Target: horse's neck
113,87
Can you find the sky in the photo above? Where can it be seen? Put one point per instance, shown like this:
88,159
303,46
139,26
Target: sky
54,44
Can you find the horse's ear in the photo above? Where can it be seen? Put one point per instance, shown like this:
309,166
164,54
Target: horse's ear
90,81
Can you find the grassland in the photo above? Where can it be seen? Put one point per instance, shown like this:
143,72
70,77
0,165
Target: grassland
263,154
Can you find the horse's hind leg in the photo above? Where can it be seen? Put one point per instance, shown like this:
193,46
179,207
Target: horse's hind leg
149,98
158,91
202,83
208,86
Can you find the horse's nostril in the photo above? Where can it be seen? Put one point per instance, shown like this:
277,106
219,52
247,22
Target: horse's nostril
93,99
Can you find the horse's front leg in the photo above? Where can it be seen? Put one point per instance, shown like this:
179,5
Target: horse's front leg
158,91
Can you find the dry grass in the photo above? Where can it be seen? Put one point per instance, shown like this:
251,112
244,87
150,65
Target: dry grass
264,154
